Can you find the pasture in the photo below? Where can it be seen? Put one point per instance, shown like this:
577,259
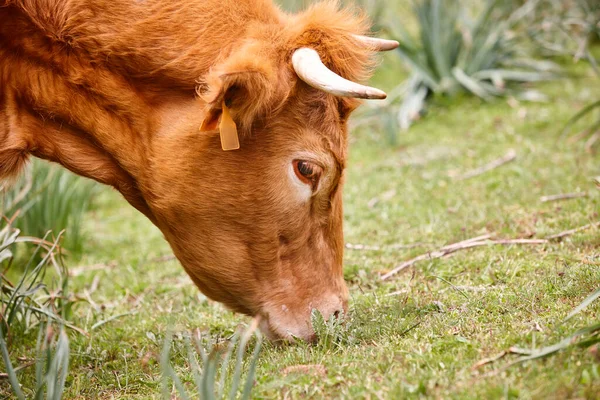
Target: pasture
417,334
469,169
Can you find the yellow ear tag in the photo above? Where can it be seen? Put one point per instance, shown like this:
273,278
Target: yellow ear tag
228,131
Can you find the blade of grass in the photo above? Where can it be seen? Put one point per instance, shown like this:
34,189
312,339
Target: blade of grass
209,374
252,369
240,355
194,365
59,366
588,300
100,323
562,345
470,84
587,109
12,376
225,365
169,372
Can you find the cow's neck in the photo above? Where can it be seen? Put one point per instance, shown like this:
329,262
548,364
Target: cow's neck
84,82
60,108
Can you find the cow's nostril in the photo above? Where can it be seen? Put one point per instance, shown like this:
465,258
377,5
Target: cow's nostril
337,313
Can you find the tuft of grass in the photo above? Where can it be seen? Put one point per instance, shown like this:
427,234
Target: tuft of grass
30,303
30,300
215,364
51,199
331,333
51,364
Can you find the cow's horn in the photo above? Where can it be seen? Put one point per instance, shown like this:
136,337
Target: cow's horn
310,69
378,44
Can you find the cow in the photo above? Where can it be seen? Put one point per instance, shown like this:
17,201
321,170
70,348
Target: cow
223,121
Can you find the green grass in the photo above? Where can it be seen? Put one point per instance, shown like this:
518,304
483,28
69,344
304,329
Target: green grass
446,314
50,198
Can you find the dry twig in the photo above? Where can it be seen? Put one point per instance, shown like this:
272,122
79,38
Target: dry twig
358,246
563,196
4,375
508,157
165,258
489,360
572,231
88,268
463,245
479,241
308,369
397,292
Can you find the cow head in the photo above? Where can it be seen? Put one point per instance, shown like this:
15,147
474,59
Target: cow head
260,228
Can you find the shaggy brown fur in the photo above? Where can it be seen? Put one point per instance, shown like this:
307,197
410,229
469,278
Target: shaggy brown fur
116,90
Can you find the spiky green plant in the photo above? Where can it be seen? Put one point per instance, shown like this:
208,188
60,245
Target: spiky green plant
561,27
51,365
30,300
566,28
578,27
456,53
29,303
50,199
214,364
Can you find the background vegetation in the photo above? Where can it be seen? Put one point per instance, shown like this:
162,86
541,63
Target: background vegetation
487,208
50,198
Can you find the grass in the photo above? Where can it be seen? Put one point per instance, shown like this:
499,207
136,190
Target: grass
29,303
212,360
50,198
415,336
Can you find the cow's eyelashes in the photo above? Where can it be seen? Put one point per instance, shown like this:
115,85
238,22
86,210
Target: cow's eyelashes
305,168
308,172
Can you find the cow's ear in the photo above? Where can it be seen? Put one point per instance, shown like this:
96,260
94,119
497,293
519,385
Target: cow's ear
249,83
244,93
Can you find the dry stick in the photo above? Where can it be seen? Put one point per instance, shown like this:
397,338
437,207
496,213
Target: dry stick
485,361
165,258
572,231
477,242
465,244
89,268
562,196
467,241
508,157
397,292
475,289
4,375
358,246
99,324
307,369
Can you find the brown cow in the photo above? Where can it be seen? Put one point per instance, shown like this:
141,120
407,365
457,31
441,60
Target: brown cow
116,91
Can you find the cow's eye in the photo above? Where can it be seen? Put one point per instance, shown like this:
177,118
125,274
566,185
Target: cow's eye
308,172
